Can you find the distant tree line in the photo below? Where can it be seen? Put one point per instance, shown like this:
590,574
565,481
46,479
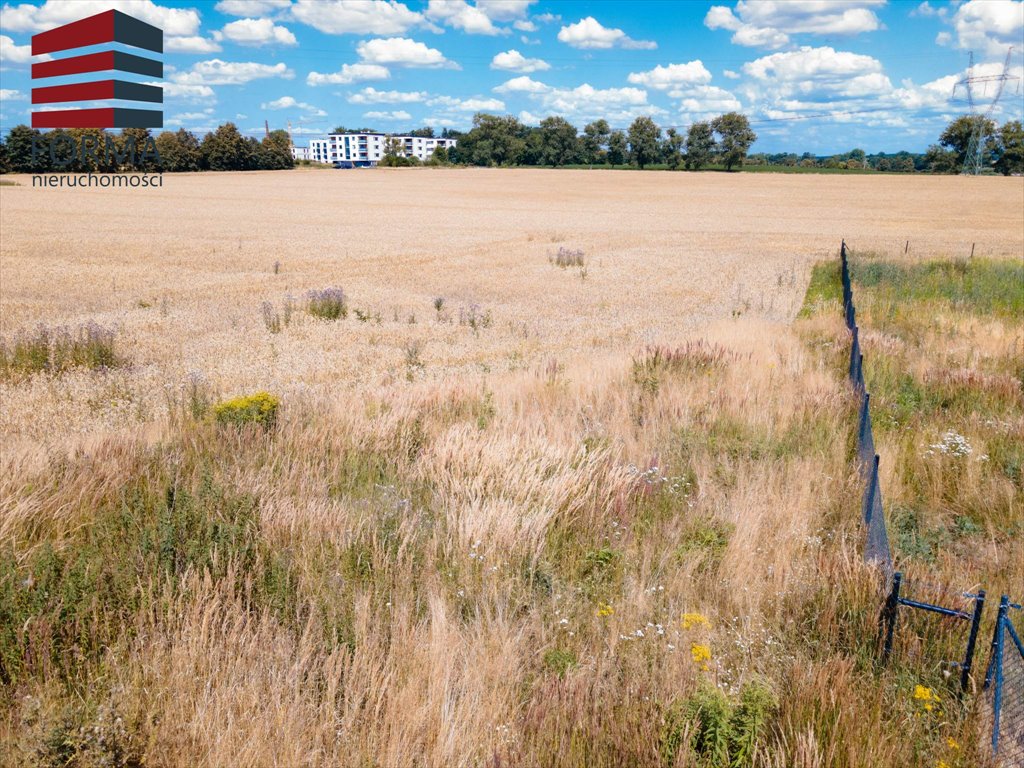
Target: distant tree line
496,140
224,149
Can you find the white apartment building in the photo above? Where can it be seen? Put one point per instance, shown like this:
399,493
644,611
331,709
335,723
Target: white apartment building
300,153
367,149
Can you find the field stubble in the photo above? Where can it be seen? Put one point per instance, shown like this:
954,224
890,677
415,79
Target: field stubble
540,525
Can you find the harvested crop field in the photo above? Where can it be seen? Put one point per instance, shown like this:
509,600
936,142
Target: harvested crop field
183,272
497,468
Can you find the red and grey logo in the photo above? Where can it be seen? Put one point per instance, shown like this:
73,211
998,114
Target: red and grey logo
102,29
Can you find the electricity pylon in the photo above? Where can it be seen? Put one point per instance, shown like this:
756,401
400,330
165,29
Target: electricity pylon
980,113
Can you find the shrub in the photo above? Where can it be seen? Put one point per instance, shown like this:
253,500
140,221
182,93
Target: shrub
260,408
722,733
328,303
57,350
567,257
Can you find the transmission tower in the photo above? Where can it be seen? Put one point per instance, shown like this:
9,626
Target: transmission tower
980,112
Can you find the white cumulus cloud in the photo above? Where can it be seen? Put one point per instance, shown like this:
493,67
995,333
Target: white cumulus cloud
467,105
513,61
461,15
371,95
252,7
14,54
217,72
590,33
769,23
357,17
256,32
348,74
402,52
53,13
990,26
289,102
399,114
672,75
190,44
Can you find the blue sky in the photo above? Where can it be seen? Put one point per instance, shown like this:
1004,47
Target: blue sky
822,76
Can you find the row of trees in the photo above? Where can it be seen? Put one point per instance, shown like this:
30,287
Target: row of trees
504,141
224,149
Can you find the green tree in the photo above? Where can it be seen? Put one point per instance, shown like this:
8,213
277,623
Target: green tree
439,156
19,150
644,135
673,148
179,151
617,147
734,138
700,145
425,132
939,160
275,152
493,140
1011,148
595,137
957,138
225,149
558,141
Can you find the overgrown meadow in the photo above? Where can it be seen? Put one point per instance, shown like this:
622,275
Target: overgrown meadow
650,563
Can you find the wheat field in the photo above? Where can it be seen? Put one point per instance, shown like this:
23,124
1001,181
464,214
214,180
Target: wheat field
509,512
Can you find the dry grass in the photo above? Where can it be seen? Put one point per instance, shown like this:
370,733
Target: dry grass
496,555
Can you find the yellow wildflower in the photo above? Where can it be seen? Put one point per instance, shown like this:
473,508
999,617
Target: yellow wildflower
603,609
952,743
926,696
691,620
700,654
942,764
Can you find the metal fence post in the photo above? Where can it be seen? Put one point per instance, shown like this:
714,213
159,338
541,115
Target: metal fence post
972,639
854,354
1004,608
995,670
892,605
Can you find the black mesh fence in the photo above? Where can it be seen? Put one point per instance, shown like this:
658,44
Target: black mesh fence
876,546
1004,681
933,628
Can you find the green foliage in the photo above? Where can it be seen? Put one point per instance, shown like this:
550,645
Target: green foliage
644,137
672,149
595,138
327,304
179,151
825,286
558,141
734,138
559,661
259,408
1011,148
617,148
61,608
493,140
723,733
980,286
49,350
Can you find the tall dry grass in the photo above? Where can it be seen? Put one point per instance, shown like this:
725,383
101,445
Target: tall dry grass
636,545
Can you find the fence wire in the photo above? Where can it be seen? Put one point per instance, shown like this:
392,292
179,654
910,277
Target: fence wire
1004,681
876,547
1004,676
